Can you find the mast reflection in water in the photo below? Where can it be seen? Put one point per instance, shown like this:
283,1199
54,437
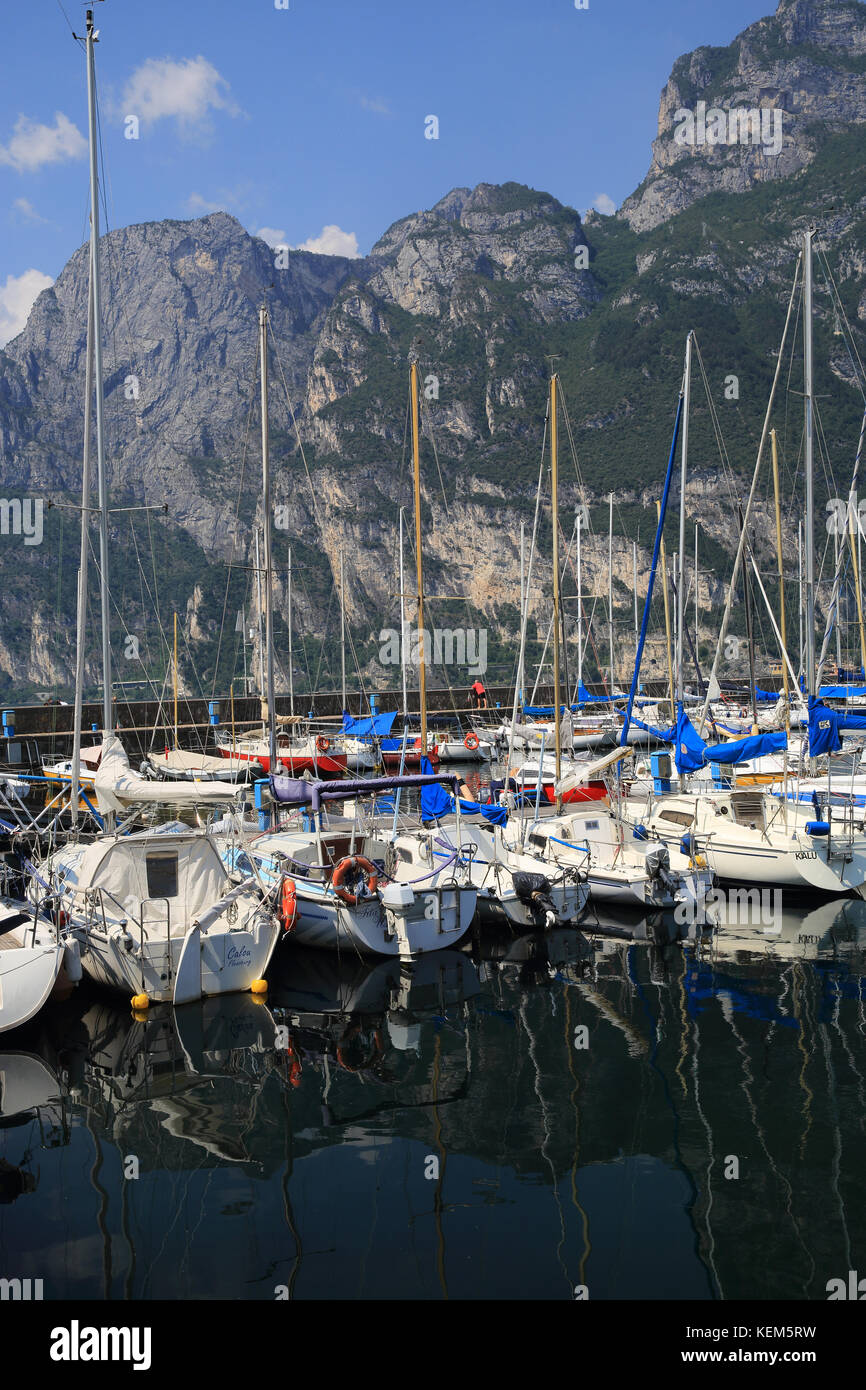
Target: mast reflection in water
656,1119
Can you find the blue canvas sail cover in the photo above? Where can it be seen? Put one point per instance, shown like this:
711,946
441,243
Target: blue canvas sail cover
840,692
585,698
379,726
826,725
765,696
436,803
752,746
691,753
546,711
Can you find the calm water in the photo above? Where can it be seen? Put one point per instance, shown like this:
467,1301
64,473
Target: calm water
378,1131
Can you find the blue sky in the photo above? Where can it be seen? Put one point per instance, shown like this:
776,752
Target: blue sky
312,117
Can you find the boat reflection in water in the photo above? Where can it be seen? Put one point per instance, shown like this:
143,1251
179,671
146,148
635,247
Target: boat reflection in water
660,1114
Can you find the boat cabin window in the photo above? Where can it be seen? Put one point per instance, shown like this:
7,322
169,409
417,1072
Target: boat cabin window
684,818
161,875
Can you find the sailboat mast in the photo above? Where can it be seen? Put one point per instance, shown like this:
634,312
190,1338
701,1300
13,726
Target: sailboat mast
107,718
681,570
259,617
175,680
634,587
266,503
578,530
403,626
809,535
289,618
342,632
554,483
416,465
610,587
81,614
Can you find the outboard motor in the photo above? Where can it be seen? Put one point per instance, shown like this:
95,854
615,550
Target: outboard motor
658,867
534,891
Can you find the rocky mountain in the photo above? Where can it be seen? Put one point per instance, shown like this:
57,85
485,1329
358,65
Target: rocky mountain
483,289
731,118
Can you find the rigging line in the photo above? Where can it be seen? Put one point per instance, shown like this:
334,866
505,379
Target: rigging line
316,512
839,307
427,418
253,373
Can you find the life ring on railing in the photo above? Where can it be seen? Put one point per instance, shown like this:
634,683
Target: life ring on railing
342,870
471,741
288,904
322,744
418,744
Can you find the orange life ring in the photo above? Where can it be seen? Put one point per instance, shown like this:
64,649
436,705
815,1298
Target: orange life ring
322,744
288,905
471,741
353,861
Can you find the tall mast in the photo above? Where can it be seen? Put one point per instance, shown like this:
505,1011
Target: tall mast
634,587
175,680
266,503
416,465
81,616
259,604
780,561
809,535
403,627
107,717
342,631
291,658
578,530
697,600
554,483
610,586
800,593
681,573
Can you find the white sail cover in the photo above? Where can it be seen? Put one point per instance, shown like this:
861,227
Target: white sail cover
117,786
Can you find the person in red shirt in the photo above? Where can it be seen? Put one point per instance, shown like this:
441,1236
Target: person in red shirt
478,696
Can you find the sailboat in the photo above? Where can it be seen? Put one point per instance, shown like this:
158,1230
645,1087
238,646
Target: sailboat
156,914
750,834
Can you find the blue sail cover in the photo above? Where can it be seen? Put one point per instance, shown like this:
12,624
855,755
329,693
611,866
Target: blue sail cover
436,803
691,753
841,692
826,725
752,746
585,698
765,696
379,726
690,747
546,711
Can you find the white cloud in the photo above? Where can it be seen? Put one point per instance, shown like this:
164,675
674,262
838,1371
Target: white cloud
604,204
25,209
381,108
332,241
187,90
16,300
196,203
33,145
273,236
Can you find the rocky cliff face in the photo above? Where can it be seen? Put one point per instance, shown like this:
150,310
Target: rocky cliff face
482,290
802,70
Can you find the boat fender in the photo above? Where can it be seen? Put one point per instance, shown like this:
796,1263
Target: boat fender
817,827
350,865
688,845
288,905
640,832
259,987
140,1002
471,742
